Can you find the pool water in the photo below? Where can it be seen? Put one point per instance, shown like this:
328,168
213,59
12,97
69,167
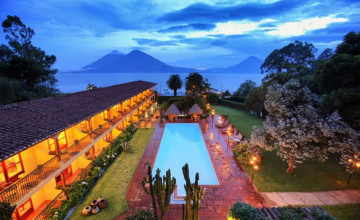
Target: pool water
183,143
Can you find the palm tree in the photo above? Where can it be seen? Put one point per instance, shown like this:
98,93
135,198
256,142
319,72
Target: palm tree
195,83
174,83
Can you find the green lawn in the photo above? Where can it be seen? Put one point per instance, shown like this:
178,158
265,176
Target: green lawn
344,212
114,183
272,176
243,121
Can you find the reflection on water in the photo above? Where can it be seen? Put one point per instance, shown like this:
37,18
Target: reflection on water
74,82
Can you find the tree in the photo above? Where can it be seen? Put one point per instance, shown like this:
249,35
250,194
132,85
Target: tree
174,83
244,88
25,63
338,78
297,56
226,93
91,86
255,100
326,54
297,130
195,83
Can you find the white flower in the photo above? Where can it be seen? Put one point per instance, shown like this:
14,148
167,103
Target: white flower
104,164
108,156
84,183
113,156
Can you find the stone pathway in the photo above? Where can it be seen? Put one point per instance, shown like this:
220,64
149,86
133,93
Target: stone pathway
275,199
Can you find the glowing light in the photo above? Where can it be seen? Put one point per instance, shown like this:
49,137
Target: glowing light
254,158
350,160
251,162
256,167
357,164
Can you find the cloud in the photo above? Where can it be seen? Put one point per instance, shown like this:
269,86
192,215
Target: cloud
154,42
211,13
188,27
298,28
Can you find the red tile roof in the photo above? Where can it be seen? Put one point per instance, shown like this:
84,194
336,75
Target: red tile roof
24,124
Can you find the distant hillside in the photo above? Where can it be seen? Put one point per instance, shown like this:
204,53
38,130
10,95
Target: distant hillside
106,61
249,65
134,62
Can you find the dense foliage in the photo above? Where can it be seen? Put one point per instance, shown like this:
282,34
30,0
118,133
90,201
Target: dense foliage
25,70
174,83
291,213
244,88
338,79
296,128
141,214
244,211
195,83
6,210
313,104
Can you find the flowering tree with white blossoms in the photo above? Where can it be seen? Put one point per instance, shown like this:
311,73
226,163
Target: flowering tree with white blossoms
296,129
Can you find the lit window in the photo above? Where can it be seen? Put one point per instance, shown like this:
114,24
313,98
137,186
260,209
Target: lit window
2,176
84,126
104,115
11,168
25,209
51,144
62,140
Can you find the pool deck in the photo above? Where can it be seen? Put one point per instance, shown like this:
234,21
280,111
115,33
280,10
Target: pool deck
234,186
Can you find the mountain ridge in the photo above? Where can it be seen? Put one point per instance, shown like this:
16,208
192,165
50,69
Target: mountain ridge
137,61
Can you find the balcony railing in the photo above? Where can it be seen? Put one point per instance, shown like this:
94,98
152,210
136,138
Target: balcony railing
45,214
74,149
83,173
29,182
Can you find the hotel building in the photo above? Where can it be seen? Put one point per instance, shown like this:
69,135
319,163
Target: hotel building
47,144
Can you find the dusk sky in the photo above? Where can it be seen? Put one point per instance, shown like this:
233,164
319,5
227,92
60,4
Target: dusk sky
200,34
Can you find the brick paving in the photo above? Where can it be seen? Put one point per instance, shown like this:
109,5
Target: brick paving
275,199
234,186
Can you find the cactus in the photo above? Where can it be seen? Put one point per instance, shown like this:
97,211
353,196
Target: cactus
194,193
151,192
162,188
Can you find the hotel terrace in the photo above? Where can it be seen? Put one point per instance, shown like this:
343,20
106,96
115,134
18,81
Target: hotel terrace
47,144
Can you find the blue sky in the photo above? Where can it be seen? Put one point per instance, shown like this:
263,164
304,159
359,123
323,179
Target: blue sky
201,34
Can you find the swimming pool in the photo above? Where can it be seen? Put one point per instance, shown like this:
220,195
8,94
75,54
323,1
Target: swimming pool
183,143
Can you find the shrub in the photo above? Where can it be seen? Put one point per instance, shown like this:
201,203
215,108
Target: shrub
212,98
6,210
239,99
241,153
244,211
320,215
231,104
141,214
291,212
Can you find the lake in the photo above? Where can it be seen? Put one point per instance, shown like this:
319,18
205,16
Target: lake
74,82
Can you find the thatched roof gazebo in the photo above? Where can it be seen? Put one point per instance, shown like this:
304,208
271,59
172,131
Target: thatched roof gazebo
172,110
195,110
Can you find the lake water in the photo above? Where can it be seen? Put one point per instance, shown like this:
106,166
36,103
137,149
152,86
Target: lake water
74,82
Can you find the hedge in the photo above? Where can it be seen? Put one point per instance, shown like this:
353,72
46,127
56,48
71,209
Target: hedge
231,104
